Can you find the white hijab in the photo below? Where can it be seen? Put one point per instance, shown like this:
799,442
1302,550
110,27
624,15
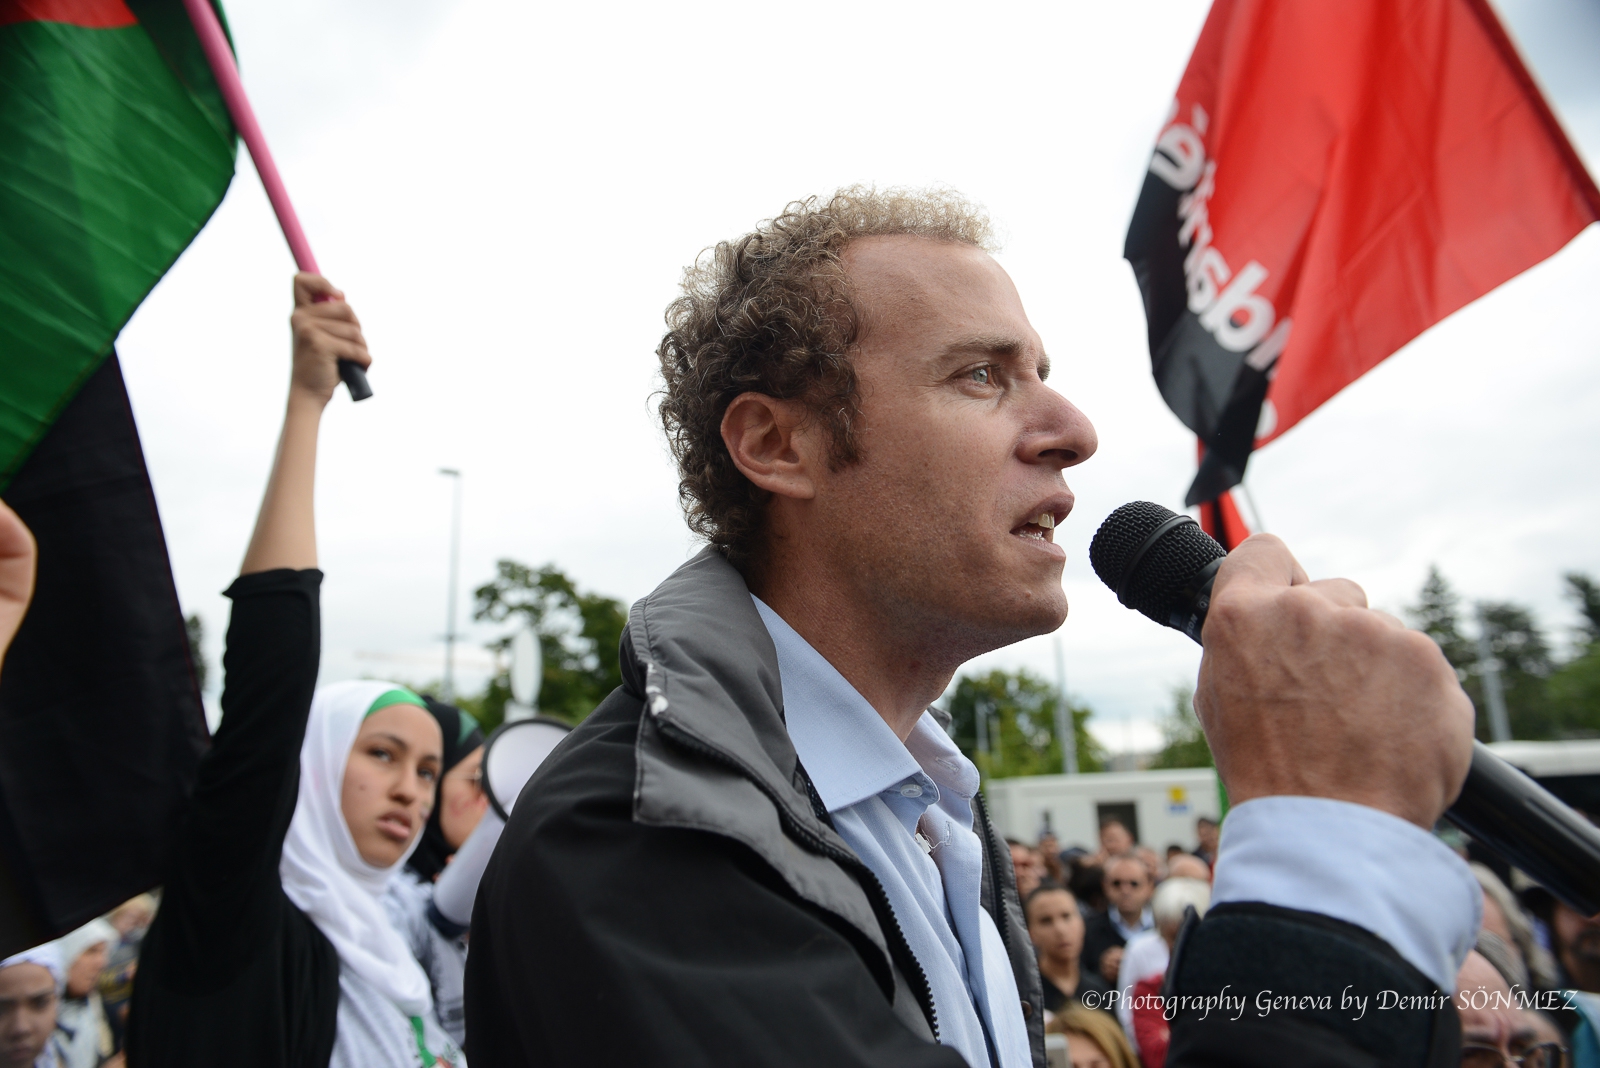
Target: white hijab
48,957
91,934
321,870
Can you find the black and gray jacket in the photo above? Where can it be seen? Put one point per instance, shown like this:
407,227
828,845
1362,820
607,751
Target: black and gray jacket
670,890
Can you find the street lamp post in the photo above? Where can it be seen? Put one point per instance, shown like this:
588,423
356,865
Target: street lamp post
980,712
1493,691
448,687
1064,725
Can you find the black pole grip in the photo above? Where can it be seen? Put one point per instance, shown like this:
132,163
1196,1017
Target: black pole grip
1531,828
355,380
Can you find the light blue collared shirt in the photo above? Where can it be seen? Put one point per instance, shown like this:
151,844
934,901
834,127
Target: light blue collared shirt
1355,864
906,810
1147,920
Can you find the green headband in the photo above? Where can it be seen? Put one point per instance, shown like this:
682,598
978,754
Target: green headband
397,696
468,725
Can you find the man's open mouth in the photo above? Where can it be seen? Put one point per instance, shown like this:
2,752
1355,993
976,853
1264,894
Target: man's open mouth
1041,527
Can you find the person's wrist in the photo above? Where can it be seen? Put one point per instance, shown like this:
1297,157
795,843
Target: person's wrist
306,400
1405,808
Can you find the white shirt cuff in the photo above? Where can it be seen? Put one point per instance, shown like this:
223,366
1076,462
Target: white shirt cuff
1358,865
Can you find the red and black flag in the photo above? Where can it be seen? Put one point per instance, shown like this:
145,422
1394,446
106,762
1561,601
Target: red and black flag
115,148
1332,180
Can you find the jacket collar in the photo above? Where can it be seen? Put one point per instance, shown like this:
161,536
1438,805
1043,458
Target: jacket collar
711,673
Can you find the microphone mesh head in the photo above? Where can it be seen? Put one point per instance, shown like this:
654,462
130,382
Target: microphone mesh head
1161,575
1120,536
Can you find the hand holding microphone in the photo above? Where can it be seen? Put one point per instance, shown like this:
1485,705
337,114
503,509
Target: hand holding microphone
1305,691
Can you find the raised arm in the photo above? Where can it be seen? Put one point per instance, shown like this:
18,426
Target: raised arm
325,331
223,911
17,558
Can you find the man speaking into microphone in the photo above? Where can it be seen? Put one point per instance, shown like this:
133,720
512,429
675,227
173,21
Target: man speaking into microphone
762,849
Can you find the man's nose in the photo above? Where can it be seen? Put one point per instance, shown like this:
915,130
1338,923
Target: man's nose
1063,437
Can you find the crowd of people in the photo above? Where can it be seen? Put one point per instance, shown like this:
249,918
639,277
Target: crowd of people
1104,924
64,1004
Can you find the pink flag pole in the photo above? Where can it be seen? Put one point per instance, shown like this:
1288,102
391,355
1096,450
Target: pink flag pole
220,56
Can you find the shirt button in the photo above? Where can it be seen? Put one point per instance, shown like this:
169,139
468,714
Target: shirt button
910,789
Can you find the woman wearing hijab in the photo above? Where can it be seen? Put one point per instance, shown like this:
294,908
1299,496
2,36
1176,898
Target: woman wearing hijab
83,1035
30,993
461,802
439,944
272,948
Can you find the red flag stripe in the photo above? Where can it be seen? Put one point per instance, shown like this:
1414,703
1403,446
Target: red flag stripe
1519,71
90,14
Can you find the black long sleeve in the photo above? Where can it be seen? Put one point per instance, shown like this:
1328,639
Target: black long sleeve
231,972
1306,990
597,940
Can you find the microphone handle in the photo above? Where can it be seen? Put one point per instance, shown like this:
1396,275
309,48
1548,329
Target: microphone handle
1530,827
1499,805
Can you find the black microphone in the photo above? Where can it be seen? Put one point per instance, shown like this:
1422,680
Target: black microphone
1162,564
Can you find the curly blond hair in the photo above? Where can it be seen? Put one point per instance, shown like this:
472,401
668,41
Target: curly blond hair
772,312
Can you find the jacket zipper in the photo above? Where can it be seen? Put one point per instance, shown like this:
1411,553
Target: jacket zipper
997,894
918,979
1002,920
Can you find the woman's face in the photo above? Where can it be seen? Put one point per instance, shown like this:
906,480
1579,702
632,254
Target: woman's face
27,1013
85,971
389,781
1086,1052
1056,925
462,801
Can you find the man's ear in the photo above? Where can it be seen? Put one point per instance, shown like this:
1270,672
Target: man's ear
773,443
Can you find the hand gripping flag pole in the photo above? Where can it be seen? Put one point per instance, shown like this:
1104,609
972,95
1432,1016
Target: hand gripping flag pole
220,56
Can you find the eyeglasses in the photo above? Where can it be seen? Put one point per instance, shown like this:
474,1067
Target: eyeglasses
1118,884
1544,1055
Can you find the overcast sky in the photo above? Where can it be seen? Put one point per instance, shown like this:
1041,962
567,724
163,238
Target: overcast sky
509,192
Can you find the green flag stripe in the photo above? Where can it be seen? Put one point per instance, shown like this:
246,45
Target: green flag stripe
109,165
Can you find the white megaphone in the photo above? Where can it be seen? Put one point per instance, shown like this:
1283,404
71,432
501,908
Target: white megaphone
513,753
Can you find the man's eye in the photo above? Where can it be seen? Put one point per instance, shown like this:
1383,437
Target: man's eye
980,375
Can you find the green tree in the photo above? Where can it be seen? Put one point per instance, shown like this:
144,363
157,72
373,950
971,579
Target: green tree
1575,686
1516,643
195,627
578,636
1574,694
1586,592
1020,726
1437,614
1183,743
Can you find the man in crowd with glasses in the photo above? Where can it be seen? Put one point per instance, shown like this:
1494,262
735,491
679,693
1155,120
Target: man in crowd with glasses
1495,1030
1128,889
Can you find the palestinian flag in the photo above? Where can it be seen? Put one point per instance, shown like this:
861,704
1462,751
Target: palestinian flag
115,148
1332,180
